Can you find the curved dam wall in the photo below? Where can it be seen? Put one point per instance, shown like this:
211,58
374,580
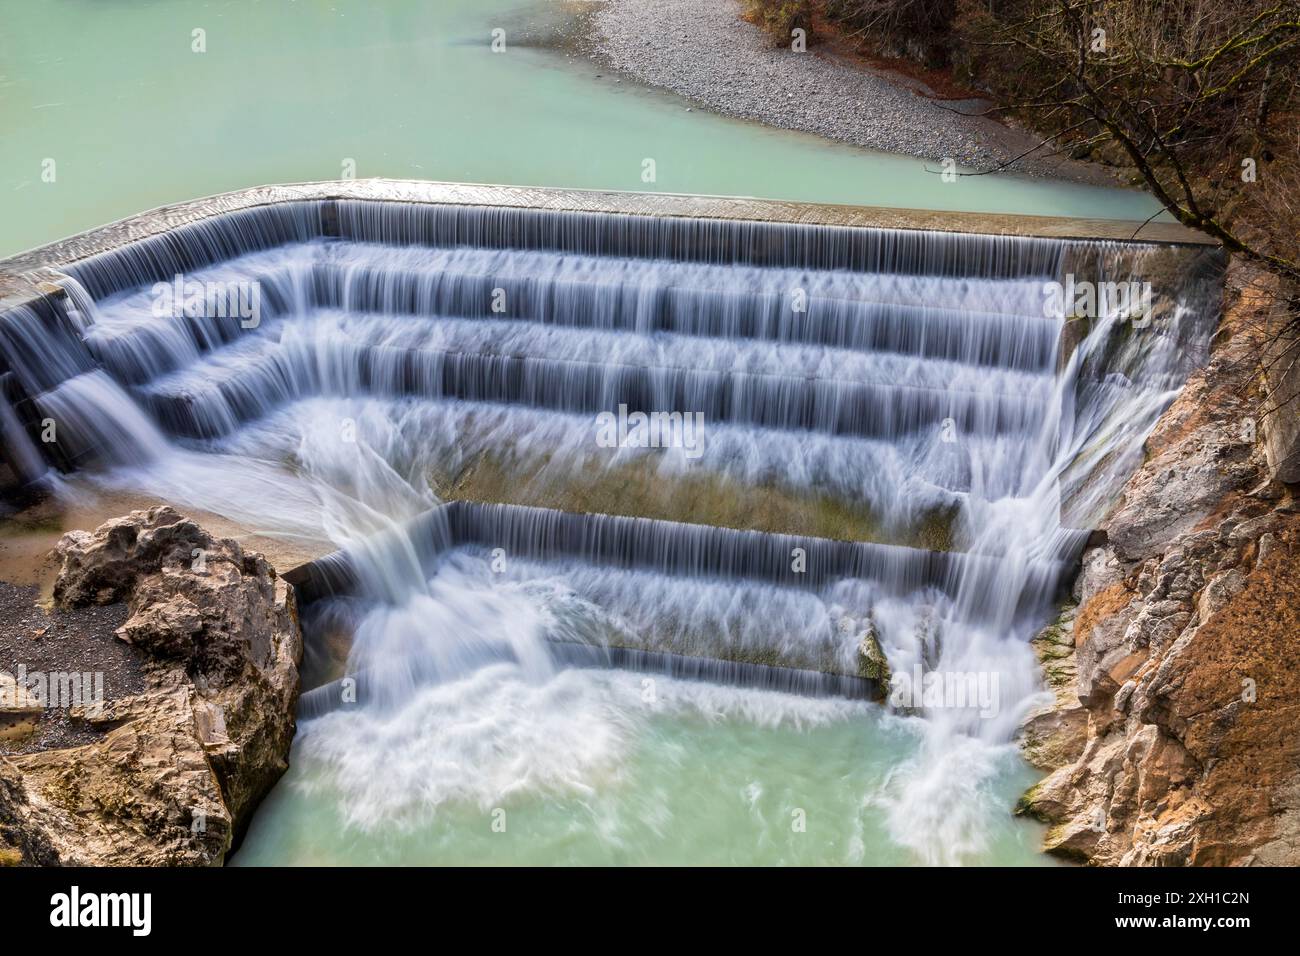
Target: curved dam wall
905,433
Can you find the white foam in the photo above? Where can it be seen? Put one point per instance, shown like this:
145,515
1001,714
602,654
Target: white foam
503,733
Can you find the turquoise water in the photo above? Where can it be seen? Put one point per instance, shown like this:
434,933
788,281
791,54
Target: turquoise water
290,90
582,769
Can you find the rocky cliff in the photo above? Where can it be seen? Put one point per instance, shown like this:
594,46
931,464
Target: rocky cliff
170,772
1175,738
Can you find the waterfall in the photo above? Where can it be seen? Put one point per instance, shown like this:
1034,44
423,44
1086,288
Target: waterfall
348,371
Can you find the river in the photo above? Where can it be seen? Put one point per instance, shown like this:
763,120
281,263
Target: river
498,766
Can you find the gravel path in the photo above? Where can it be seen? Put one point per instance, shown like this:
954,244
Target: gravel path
702,50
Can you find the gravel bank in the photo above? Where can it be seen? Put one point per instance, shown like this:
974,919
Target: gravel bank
45,642
702,50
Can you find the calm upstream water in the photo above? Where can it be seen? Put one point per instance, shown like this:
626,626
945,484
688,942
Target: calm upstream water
132,118
509,761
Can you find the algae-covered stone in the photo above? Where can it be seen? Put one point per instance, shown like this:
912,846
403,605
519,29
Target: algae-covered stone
873,664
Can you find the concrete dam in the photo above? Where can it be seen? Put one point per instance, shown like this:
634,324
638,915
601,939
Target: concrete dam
818,449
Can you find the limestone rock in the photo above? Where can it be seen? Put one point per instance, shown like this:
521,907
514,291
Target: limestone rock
1054,734
179,768
16,698
1184,651
1204,448
19,710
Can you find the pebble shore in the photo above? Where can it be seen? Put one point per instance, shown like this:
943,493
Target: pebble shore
703,50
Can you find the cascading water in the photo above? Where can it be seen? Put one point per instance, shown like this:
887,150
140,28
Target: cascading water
401,354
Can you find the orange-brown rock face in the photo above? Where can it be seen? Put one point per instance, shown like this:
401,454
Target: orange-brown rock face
1184,648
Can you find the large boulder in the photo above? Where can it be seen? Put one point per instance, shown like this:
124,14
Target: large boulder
176,770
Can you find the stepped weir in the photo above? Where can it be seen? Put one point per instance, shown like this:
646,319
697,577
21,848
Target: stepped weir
905,433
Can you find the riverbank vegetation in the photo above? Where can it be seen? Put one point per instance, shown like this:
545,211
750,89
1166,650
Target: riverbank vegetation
1198,99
